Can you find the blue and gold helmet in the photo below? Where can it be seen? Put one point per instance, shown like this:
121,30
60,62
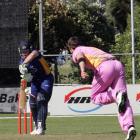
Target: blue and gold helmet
25,46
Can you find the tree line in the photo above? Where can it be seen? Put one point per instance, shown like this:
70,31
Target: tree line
104,24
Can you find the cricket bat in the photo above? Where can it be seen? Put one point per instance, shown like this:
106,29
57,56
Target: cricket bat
22,94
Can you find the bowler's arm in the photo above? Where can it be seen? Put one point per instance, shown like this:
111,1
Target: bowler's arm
82,64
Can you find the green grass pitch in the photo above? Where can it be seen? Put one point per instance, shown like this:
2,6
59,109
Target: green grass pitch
70,128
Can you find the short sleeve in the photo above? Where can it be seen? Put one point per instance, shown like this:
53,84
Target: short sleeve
76,51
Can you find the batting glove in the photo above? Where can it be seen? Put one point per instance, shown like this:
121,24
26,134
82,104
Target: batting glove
27,76
23,68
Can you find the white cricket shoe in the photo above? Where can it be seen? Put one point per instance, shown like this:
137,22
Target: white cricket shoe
40,130
131,134
121,101
33,132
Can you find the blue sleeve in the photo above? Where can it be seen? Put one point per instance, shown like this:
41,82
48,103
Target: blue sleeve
20,61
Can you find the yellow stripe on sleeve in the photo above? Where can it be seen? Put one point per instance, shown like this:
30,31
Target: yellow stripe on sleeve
45,65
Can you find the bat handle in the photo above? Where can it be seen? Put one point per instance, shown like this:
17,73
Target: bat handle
23,84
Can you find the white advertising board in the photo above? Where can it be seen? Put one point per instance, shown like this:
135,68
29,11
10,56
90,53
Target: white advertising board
74,100
70,100
8,99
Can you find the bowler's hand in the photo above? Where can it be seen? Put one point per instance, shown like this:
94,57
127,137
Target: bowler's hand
84,75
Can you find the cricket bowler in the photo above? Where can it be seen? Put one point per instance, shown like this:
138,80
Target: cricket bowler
108,85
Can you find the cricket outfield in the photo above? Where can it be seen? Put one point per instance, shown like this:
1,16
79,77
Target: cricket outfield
69,128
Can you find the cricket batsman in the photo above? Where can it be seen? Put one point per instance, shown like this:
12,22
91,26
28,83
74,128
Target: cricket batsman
34,68
108,85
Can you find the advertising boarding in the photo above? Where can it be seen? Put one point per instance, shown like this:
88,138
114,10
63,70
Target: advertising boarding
70,100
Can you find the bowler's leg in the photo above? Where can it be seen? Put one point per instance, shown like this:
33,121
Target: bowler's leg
102,81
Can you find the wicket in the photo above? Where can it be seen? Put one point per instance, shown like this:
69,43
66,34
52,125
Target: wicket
20,112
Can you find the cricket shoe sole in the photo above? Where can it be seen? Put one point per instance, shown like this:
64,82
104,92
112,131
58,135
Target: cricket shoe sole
131,134
121,101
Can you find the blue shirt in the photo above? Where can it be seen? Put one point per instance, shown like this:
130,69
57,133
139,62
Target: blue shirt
38,67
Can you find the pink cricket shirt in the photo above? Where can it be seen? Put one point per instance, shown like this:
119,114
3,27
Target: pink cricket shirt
93,56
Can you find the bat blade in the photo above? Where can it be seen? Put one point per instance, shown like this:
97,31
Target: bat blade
22,94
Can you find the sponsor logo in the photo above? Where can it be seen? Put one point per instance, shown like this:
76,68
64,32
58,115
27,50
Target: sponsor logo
9,99
6,98
138,97
79,101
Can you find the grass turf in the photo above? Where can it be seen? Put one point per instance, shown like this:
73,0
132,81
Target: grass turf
71,128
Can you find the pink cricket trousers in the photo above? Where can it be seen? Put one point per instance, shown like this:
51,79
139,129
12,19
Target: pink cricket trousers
109,78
